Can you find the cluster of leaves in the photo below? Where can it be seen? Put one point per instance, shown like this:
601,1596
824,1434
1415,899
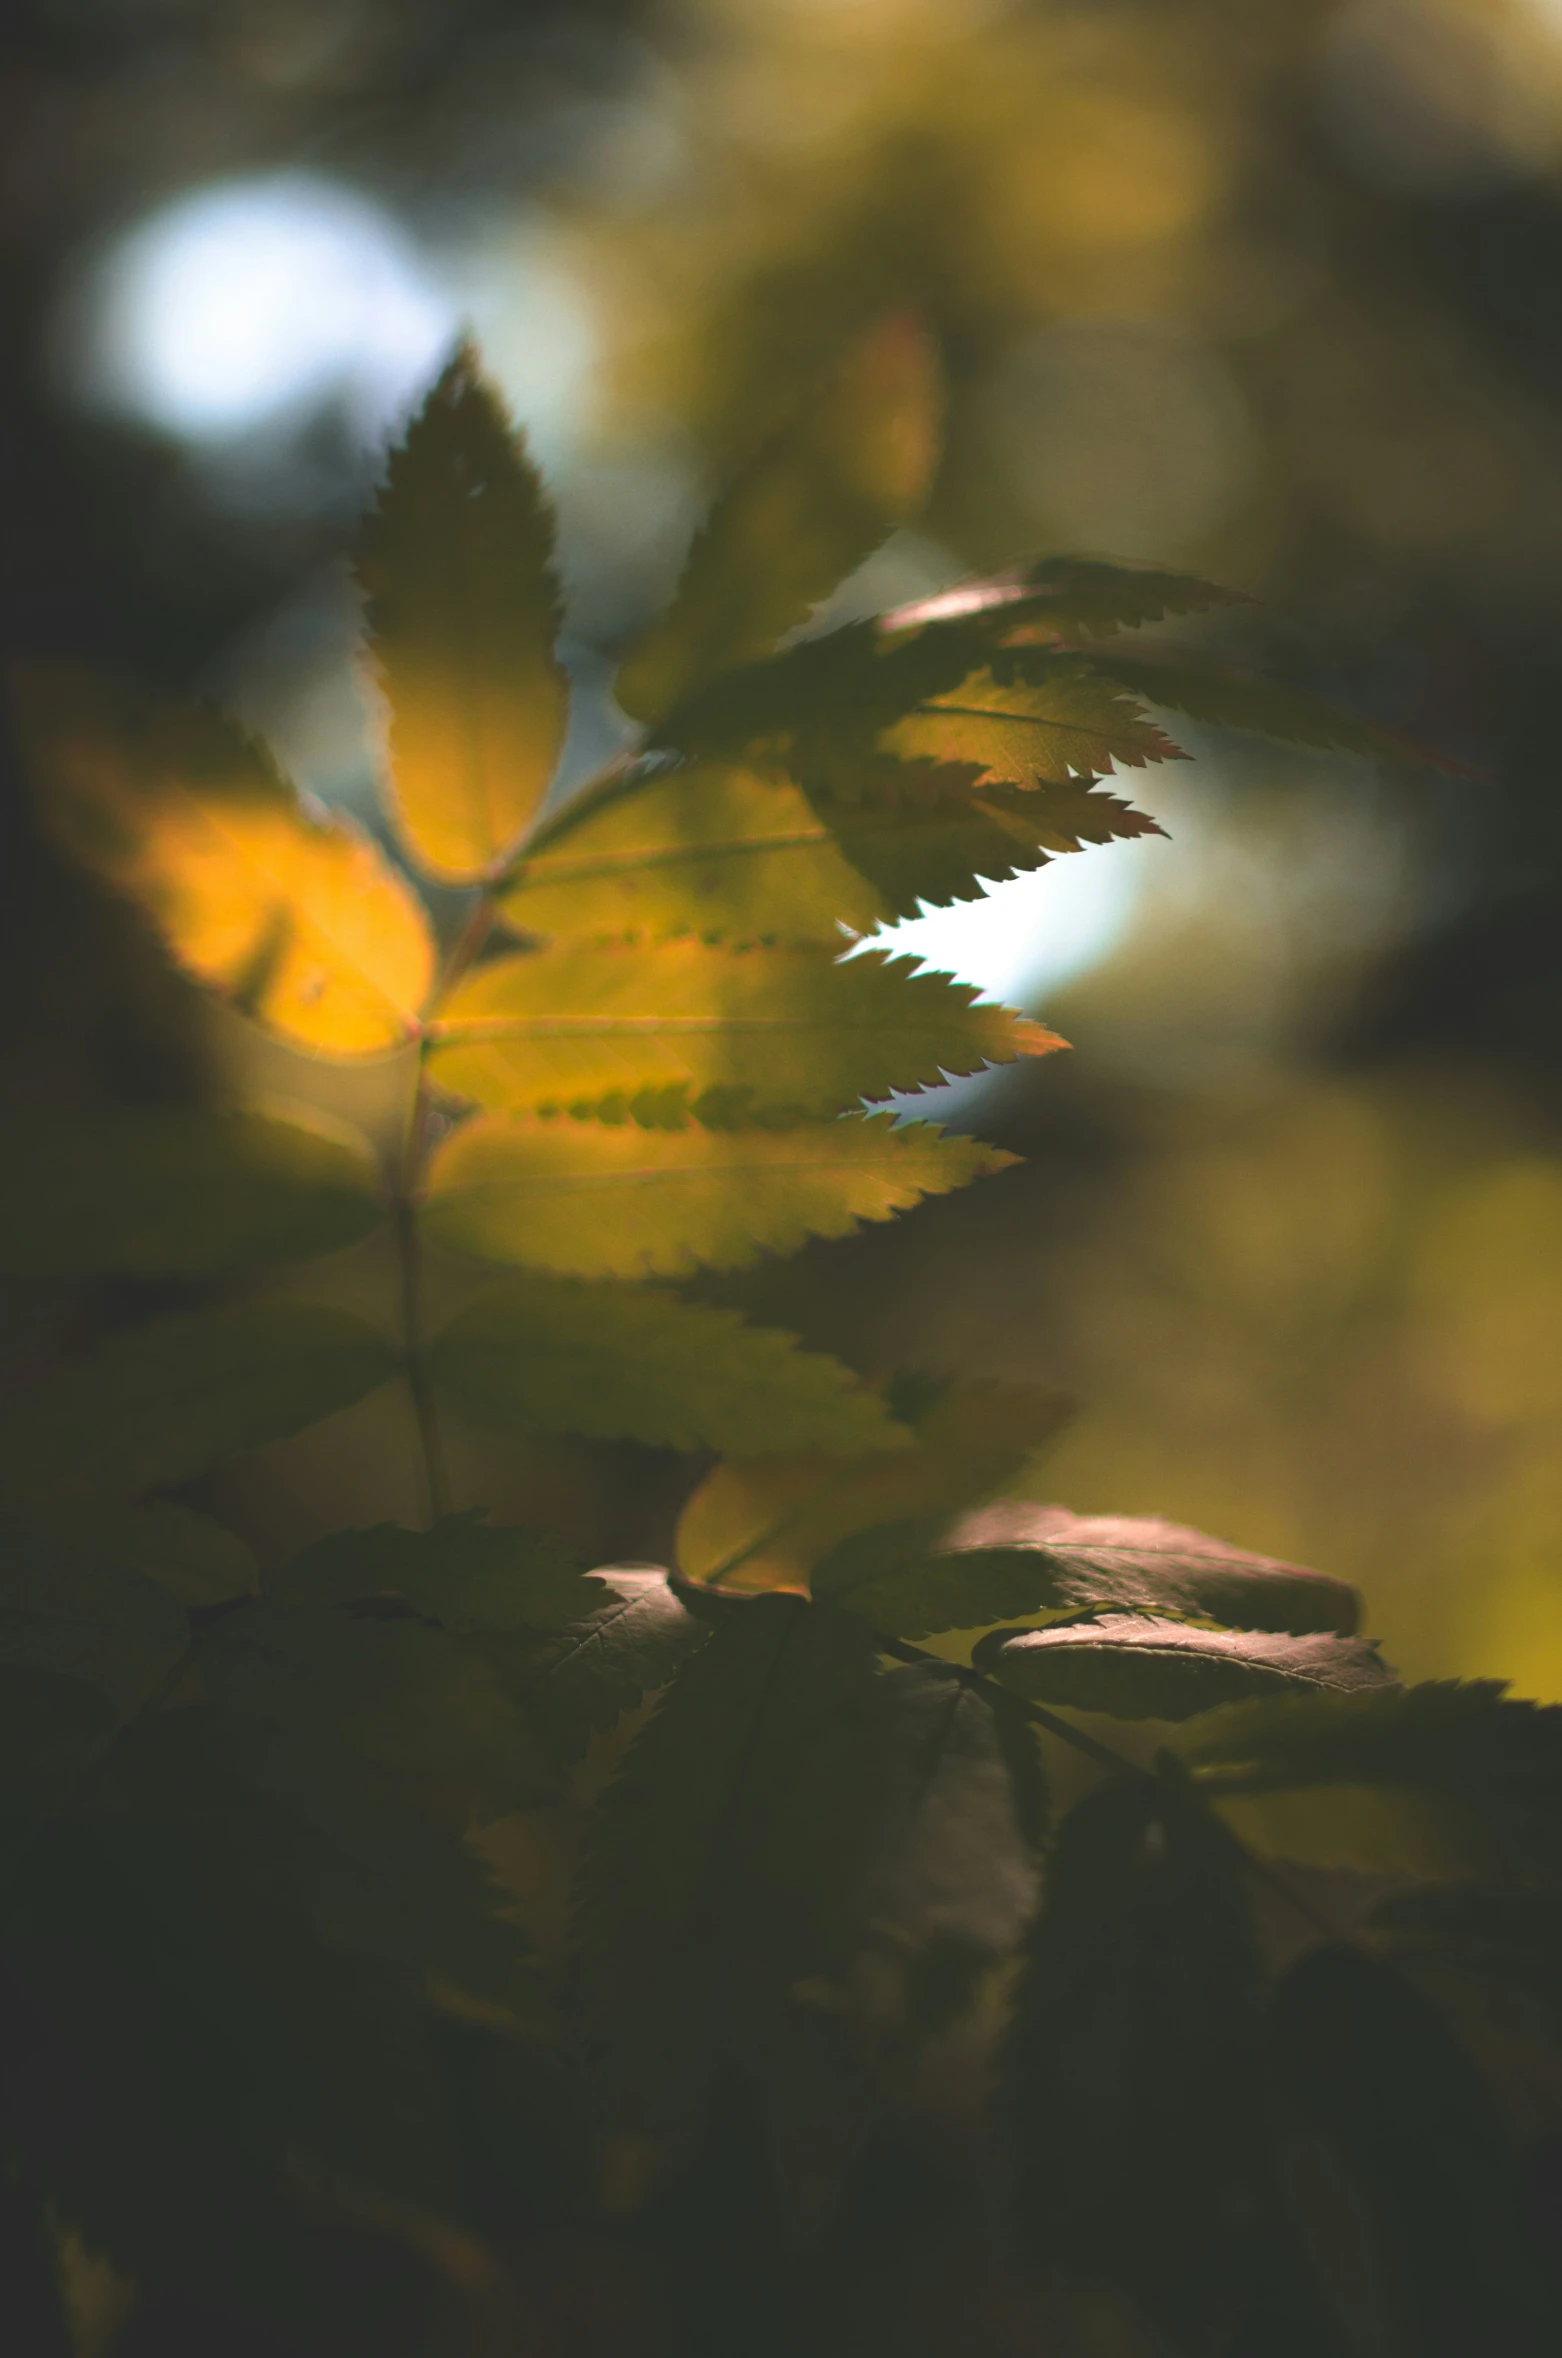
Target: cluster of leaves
372,1900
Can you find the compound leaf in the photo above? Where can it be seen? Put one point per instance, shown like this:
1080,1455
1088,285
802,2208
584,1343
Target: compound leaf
591,1199
817,499
775,1524
456,561
161,1402
1014,1558
711,1033
298,920
187,1194
622,1362
1136,1667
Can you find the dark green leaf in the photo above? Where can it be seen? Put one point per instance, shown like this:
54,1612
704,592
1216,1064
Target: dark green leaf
178,1194
589,1675
466,1574
1503,1942
195,1561
68,1608
1129,2082
728,1860
161,1402
625,1361
1138,1668
1211,693
1013,1558
1464,1770
1367,2064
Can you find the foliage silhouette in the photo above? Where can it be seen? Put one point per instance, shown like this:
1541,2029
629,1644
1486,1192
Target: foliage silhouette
435,1896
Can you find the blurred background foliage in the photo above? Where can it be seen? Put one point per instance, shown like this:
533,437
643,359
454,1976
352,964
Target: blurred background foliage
1269,289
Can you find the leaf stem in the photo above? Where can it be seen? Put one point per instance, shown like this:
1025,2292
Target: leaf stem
409,1258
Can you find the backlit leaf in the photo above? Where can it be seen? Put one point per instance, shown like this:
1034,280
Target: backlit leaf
1138,1668
593,1200
298,920
816,500
769,1525
1227,699
161,1402
1013,1558
178,1193
1046,719
622,1362
456,560
794,1031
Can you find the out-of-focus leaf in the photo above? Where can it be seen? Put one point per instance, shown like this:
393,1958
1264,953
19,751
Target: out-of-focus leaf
1503,1941
727,1860
724,853
51,1726
1064,598
89,1616
161,1402
181,1194
816,500
589,1675
299,920
1136,1667
1130,2085
1439,1779
456,560
1012,1558
1366,2062
192,1559
591,1199
622,1362
770,1525
1212,693
1044,721
466,1574
721,1033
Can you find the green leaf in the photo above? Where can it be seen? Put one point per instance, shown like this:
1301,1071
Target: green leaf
161,1402
178,1194
466,1574
1227,699
1129,2085
1504,1943
456,561
1064,598
619,1362
1136,1667
727,1861
769,1525
192,1559
1014,1558
592,1200
1366,2063
299,921
722,1033
724,853
1440,1779
817,499
589,1675
89,1615
1031,720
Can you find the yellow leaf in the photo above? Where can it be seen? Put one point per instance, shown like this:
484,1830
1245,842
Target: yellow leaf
298,920
456,560
814,502
590,1200
770,1031
1063,723
725,853
766,1526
